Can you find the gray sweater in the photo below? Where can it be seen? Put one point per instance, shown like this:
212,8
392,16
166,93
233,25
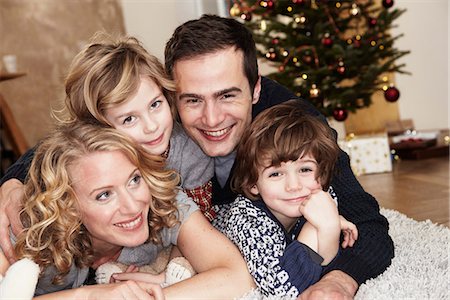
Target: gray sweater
185,156
140,255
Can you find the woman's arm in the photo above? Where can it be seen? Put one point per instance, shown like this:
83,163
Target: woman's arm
4,264
222,272
128,290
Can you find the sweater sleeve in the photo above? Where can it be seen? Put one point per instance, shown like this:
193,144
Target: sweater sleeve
277,270
374,249
19,169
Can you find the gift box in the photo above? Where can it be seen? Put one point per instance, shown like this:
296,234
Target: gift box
368,153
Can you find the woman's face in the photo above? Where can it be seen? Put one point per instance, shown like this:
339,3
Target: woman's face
145,117
113,199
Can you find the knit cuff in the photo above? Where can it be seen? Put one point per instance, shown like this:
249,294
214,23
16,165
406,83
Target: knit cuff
350,264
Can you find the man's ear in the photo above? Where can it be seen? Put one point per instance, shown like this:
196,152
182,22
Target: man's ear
254,190
257,90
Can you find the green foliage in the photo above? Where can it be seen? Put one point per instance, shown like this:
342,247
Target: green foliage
334,53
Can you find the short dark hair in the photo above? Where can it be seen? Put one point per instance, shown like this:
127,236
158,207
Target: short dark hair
283,133
209,34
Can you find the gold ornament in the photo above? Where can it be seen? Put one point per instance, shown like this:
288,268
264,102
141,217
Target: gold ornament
235,10
354,10
314,91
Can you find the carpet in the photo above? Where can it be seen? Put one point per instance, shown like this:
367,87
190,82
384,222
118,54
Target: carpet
420,268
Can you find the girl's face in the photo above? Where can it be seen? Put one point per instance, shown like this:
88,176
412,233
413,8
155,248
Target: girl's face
113,199
283,188
145,117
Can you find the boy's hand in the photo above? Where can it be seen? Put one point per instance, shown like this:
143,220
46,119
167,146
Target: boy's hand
320,210
349,231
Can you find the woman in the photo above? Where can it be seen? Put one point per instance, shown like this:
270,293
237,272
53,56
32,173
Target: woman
94,196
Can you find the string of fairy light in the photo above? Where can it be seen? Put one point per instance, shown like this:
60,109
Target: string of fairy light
334,53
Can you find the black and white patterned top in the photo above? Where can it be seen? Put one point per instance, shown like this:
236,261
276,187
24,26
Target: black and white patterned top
280,265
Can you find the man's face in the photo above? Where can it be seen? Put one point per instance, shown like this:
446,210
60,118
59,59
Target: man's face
214,99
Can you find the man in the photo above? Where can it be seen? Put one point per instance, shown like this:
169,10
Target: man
219,92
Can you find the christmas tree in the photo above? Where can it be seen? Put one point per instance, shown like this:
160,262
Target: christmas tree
334,53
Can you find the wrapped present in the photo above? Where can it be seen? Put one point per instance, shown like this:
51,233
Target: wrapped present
368,153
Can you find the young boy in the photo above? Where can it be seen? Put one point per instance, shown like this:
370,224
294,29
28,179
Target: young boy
284,223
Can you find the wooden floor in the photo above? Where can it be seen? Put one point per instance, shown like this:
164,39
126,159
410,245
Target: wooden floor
417,188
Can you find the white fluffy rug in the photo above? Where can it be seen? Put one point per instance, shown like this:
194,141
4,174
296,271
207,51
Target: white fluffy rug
420,268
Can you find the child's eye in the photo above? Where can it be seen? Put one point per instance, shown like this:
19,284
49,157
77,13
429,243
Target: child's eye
128,120
274,174
103,196
156,104
305,170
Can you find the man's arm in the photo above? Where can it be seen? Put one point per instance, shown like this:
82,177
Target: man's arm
11,193
334,285
374,249
369,256
19,169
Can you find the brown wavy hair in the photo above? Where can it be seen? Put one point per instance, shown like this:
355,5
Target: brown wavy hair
209,34
107,73
54,234
283,133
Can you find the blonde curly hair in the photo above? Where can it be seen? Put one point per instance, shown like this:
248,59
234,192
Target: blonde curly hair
54,233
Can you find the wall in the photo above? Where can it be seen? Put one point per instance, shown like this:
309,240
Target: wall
153,21
45,35
424,95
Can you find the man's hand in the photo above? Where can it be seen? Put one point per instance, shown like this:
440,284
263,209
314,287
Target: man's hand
11,194
335,285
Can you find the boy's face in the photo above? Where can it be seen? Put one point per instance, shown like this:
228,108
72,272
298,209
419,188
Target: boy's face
284,188
145,117
214,99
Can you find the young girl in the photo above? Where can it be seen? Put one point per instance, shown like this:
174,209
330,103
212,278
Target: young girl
93,195
284,223
116,82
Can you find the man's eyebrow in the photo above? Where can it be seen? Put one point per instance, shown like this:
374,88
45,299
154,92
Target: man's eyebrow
216,94
190,95
226,91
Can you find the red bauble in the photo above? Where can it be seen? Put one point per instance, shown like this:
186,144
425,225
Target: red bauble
356,43
327,42
391,94
341,69
340,114
388,3
300,2
267,4
246,16
372,22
